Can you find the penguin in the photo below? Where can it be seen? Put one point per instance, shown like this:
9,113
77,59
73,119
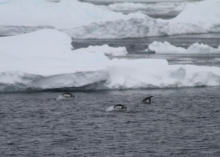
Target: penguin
65,96
117,107
147,100
120,107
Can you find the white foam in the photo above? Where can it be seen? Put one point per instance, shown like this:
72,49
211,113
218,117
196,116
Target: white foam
109,109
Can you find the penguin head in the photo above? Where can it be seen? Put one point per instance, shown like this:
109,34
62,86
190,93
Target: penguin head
68,95
120,107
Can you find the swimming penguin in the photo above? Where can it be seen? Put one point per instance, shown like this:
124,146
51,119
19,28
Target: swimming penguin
65,96
118,107
147,100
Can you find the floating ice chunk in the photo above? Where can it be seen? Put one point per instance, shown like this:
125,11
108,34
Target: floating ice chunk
44,60
202,48
167,48
107,50
46,52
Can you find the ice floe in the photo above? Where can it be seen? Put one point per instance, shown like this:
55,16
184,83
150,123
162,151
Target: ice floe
45,60
196,48
107,50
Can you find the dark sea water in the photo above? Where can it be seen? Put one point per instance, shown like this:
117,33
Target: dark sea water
179,123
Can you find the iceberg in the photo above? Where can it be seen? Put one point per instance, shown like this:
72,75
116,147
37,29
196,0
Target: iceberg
84,20
189,21
44,60
167,48
205,14
44,52
24,16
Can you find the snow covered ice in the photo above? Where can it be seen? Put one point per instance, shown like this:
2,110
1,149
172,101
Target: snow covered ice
45,60
107,50
188,21
24,16
196,48
83,20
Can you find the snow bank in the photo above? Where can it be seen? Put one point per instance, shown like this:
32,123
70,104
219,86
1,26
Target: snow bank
196,48
107,50
44,60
